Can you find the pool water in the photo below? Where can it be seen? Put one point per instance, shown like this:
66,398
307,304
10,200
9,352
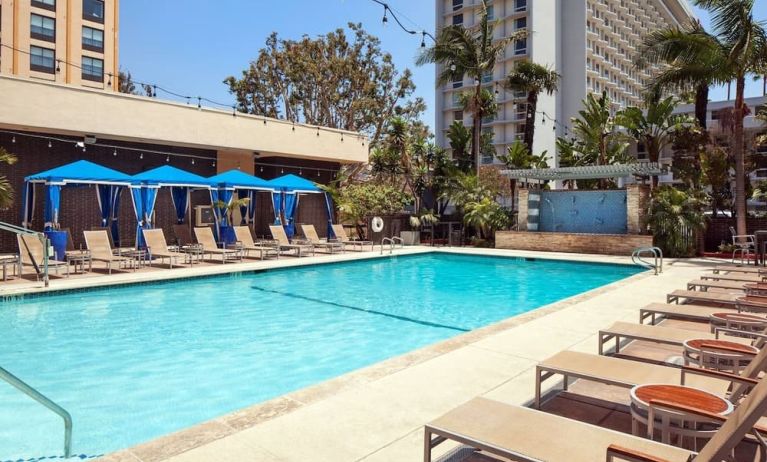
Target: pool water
135,362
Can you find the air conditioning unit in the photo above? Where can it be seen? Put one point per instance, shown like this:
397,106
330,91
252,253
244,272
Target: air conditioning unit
203,215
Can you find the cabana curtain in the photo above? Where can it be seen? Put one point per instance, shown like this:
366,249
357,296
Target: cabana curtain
52,205
180,196
291,205
109,203
225,196
329,209
28,204
144,199
248,212
277,206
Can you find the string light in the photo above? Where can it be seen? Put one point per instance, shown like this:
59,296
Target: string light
141,156
192,161
13,140
385,20
50,144
167,158
115,153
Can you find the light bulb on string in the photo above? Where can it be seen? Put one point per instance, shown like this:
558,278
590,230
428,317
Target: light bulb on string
50,144
192,161
423,39
385,20
167,158
300,172
262,169
141,156
115,152
13,140
282,170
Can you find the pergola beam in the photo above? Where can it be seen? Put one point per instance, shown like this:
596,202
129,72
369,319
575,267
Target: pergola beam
592,172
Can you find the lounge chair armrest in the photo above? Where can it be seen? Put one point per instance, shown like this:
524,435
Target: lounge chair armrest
717,374
301,241
728,349
616,453
676,407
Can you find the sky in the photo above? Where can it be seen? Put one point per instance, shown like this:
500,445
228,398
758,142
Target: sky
190,46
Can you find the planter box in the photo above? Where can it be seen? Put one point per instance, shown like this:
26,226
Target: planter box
605,244
410,237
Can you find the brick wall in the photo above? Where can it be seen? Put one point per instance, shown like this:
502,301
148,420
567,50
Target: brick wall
718,230
605,244
637,201
79,207
523,195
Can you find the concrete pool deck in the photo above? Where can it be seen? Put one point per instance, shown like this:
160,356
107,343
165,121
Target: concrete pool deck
377,413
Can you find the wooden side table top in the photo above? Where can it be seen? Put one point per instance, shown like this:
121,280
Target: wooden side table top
738,317
679,394
697,343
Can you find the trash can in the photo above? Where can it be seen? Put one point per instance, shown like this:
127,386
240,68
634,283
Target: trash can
59,243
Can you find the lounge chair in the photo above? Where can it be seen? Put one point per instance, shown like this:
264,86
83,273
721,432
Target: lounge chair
98,245
32,253
742,277
245,239
310,233
705,284
115,249
523,434
686,312
727,269
158,247
278,233
686,296
342,237
209,247
663,335
622,373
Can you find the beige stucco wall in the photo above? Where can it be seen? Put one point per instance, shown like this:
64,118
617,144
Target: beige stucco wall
15,31
53,108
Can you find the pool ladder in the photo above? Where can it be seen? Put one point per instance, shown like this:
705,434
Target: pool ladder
637,257
45,401
392,241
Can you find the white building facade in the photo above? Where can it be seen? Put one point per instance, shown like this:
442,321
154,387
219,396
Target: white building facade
590,43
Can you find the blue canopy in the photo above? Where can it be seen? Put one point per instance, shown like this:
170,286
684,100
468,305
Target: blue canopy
168,175
82,172
294,183
236,179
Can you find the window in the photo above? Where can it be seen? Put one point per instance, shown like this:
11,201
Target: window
456,99
457,5
520,112
93,69
43,27
458,19
490,12
520,47
93,39
487,77
458,116
42,59
520,23
520,5
93,10
47,4
458,82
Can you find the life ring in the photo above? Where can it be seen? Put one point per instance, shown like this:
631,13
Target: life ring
377,224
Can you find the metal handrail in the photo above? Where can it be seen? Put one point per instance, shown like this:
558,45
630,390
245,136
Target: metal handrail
391,244
45,401
655,252
396,239
43,239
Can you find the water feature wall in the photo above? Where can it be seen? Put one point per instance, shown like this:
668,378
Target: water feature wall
593,212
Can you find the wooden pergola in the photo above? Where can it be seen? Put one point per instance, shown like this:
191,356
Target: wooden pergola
591,172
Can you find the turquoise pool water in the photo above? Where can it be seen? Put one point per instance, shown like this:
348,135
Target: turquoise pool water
132,363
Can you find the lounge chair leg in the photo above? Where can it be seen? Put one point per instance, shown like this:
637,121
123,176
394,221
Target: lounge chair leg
537,387
426,445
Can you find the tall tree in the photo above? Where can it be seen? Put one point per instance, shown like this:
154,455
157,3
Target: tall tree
6,190
125,83
533,79
470,52
519,157
694,60
597,140
330,80
654,126
459,138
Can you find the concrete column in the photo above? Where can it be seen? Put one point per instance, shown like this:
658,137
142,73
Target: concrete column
637,201
522,194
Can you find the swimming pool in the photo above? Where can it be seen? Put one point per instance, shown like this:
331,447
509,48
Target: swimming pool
134,362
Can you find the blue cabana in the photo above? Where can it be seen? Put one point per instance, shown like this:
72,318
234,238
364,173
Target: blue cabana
82,172
223,187
147,185
291,187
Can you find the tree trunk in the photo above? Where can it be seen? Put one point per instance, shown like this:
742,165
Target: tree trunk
653,152
741,206
477,128
701,104
532,107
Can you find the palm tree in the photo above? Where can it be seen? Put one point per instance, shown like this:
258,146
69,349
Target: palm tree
519,157
673,217
597,139
740,50
533,79
469,52
654,126
6,190
459,138
694,59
